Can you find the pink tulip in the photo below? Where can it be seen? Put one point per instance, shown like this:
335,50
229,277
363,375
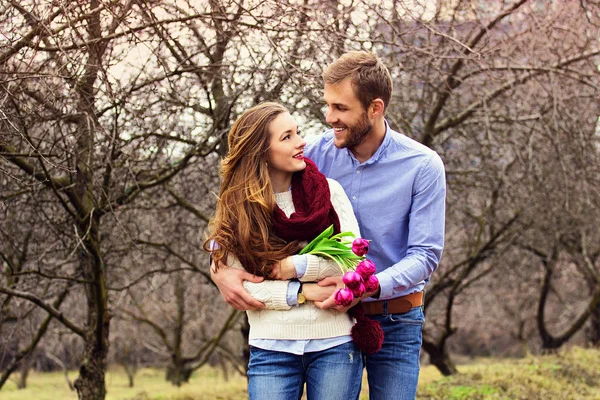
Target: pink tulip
352,279
371,284
343,297
360,247
366,268
358,291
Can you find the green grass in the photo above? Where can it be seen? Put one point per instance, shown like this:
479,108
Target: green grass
150,384
574,374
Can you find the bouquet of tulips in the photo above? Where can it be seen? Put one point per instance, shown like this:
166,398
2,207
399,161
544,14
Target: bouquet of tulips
350,256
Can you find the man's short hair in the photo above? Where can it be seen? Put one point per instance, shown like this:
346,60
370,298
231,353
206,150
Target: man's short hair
370,78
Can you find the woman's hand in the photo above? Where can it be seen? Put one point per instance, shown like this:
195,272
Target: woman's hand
314,292
284,269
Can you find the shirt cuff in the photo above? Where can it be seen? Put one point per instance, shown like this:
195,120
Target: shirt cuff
292,293
386,285
300,262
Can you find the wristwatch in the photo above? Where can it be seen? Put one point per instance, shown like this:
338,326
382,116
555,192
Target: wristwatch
301,297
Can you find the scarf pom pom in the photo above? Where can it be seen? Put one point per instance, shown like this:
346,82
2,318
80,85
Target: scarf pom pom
368,335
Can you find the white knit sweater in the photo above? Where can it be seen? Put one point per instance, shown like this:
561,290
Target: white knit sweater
279,320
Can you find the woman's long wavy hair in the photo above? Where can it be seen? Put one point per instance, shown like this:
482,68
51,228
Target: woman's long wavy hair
244,215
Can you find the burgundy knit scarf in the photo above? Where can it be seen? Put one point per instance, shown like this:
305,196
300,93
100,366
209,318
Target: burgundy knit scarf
312,201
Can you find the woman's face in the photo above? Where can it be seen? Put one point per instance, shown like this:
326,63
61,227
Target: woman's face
286,151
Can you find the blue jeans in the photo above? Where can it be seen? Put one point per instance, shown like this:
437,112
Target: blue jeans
332,374
393,372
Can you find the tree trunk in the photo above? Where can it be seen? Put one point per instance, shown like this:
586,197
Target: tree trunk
90,383
130,370
438,356
178,373
130,377
551,342
25,368
593,332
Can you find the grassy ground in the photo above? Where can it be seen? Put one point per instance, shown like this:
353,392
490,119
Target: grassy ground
574,374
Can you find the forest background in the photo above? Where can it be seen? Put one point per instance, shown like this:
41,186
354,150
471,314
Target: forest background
114,115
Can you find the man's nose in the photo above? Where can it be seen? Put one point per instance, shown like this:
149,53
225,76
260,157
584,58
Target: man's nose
329,116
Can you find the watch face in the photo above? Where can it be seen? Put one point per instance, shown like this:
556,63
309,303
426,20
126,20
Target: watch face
301,298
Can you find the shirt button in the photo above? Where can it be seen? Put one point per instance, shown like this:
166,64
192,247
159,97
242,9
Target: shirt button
357,171
353,197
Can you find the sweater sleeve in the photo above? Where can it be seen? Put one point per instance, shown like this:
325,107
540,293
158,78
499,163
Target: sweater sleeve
272,293
318,268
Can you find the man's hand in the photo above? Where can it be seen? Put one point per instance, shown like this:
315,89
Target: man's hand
337,282
284,269
230,282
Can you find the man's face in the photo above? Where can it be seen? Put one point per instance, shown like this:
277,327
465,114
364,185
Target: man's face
345,113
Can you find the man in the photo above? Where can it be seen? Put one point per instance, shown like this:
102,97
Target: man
397,189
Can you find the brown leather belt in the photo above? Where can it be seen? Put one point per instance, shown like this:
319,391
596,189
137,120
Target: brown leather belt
399,305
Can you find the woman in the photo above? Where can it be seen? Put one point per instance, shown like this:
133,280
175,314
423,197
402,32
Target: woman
273,201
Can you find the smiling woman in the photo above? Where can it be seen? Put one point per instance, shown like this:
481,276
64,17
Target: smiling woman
271,201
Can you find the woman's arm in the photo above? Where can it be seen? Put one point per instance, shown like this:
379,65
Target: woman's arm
314,292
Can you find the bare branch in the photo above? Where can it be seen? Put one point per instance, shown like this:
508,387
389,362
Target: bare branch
46,307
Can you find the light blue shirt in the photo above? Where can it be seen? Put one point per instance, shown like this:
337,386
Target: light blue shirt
398,197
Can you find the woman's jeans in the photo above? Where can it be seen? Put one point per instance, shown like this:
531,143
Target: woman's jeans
332,374
393,372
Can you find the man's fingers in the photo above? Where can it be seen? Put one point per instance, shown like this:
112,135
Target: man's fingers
329,303
244,302
238,306
246,276
250,302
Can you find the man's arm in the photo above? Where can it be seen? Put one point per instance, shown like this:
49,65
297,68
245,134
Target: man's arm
230,282
425,239
425,233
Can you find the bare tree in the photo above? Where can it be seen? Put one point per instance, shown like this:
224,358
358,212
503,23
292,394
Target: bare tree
113,116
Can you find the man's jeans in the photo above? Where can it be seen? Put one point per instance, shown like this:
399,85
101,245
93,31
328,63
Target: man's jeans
332,374
393,372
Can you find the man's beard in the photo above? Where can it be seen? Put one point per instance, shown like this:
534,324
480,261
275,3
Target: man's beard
358,132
